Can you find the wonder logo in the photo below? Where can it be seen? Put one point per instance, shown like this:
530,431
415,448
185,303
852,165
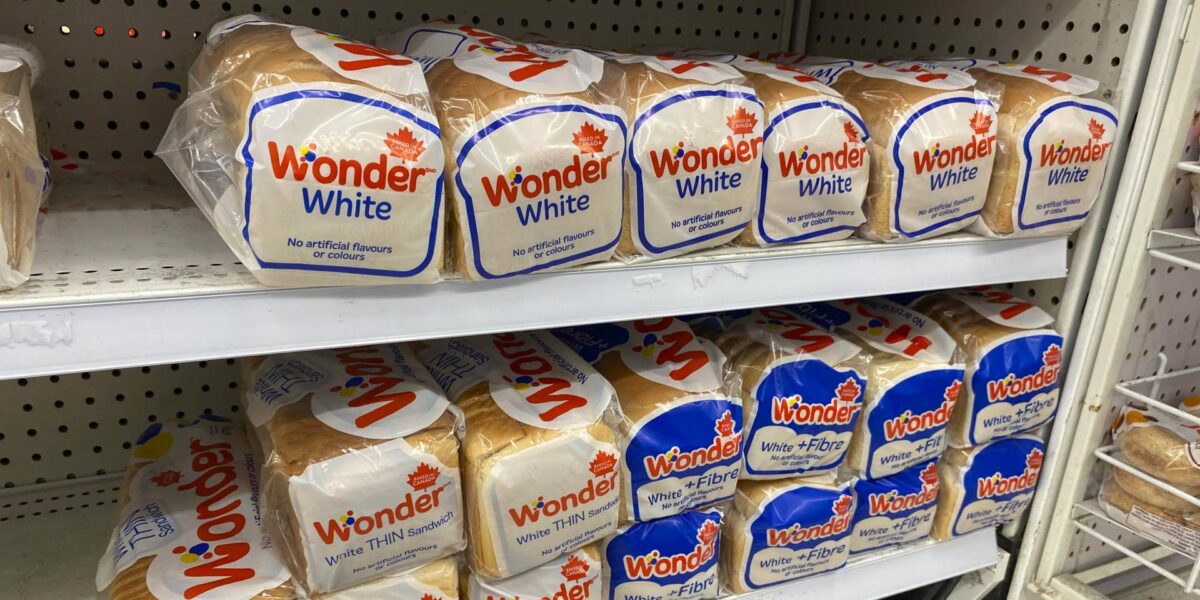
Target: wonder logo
424,497
1012,385
532,374
908,423
796,335
304,164
1092,150
726,444
654,564
840,410
895,502
981,145
803,161
838,523
601,483
372,385
999,485
671,346
589,167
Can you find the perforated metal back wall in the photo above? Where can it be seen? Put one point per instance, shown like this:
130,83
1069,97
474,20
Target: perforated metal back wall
115,68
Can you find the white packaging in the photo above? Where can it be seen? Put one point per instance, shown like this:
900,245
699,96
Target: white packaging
24,175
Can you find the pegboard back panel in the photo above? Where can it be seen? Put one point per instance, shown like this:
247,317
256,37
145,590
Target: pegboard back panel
116,69
1086,38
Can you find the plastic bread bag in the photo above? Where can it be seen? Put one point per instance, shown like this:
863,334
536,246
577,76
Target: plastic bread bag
188,523
572,576
933,141
541,463
318,159
801,400
1014,362
534,147
1160,445
436,580
987,485
24,176
674,557
1053,148
914,373
1150,510
895,509
681,433
777,531
362,476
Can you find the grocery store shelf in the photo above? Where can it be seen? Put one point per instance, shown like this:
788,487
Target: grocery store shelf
58,553
1179,246
136,276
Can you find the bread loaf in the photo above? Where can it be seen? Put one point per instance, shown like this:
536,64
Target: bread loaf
987,485
801,402
895,509
913,375
681,435
189,520
318,159
1159,445
24,180
362,477
933,140
787,529
572,576
674,557
541,461
534,149
1179,531
1013,362
437,580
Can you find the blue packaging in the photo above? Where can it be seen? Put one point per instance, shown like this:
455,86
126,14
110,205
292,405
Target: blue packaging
895,509
988,485
674,558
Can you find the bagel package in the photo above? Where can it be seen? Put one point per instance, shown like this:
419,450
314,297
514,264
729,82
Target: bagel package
24,177
189,523
1052,152
1151,510
894,509
361,470
534,144
914,376
801,401
777,531
672,558
572,576
681,434
1159,445
1014,362
987,485
541,463
318,159
933,141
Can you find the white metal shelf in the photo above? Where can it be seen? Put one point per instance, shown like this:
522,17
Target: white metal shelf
107,298
1179,246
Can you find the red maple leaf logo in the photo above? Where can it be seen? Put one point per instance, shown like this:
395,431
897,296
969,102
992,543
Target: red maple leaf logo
708,532
951,393
589,139
1096,128
430,597
724,425
981,122
574,569
848,391
741,122
1052,355
424,477
402,144
851,132
166,478
842,505
929,475
603,464
1034,460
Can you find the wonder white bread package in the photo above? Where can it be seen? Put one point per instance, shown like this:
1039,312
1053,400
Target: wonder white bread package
572,576
189,523
895,509
317,158
541,464
986,485
534,144
437,580
681,434
361,474
914,376
24,179
801,400
777,531
933,141
674,558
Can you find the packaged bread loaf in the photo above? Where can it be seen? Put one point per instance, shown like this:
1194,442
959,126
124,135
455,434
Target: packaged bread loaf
437,580
24,178
1159,445
801,400
541,463
913,374
673,558
777,531
362,476
895,509
534,146
572,576
1153,494
986,485
1164,523
317,158
681,434
933,140
189,522
1013,362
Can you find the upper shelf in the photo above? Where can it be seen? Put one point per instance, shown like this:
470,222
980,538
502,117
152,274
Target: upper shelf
134,275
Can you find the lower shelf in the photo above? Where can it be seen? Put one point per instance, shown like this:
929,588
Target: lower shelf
54,555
